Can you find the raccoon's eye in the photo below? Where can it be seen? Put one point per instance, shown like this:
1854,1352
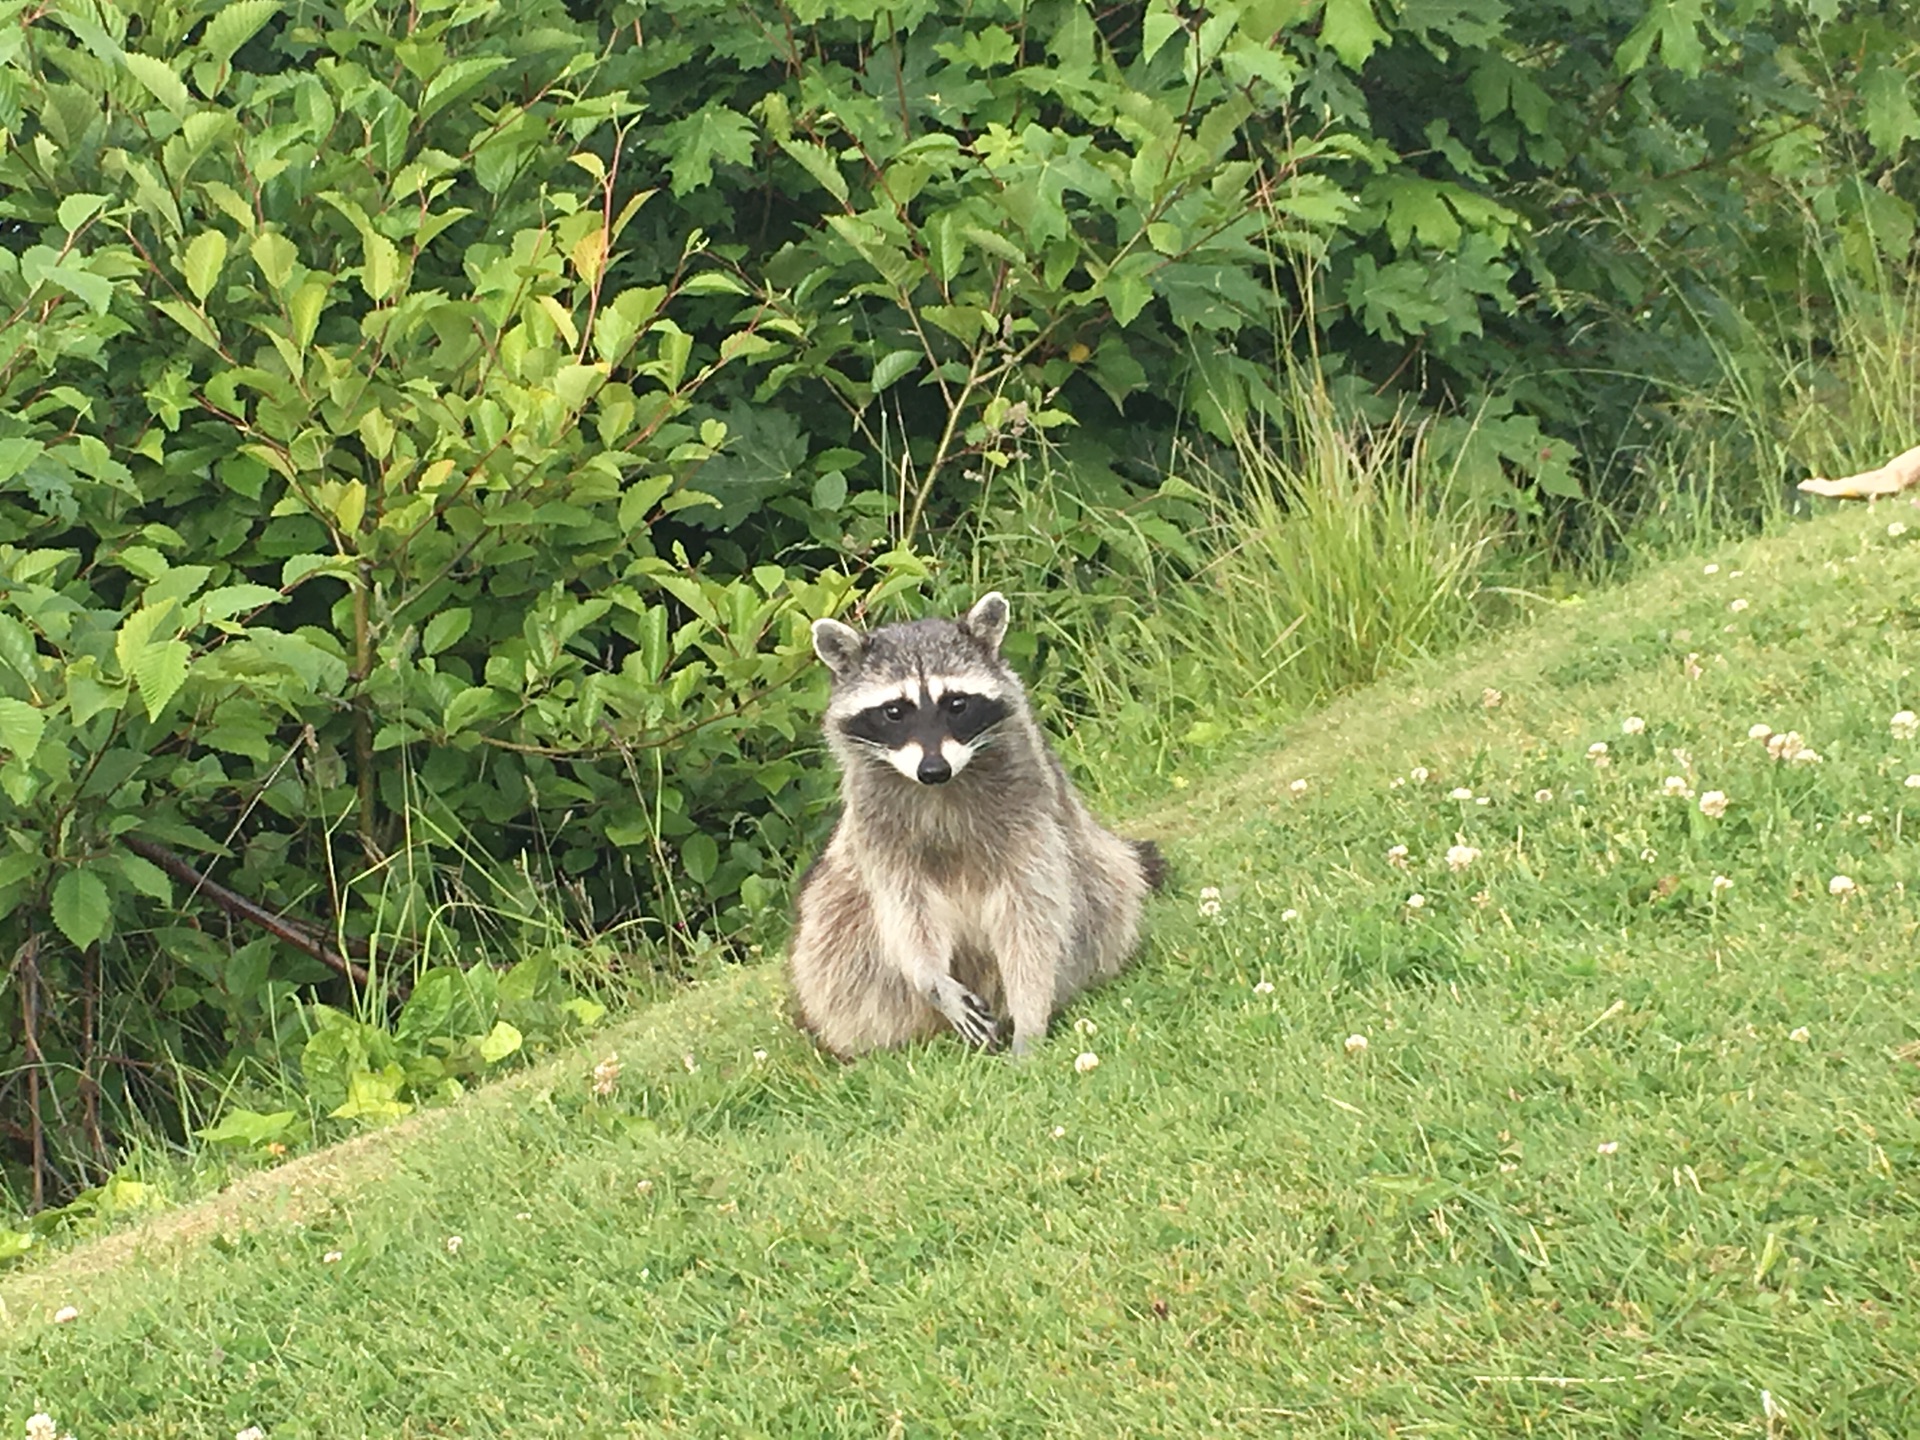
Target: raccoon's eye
956,704
894,710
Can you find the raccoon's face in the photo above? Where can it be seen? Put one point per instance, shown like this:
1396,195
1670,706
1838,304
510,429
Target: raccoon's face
928,728
922,697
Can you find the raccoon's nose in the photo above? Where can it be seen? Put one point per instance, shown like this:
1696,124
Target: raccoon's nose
934,770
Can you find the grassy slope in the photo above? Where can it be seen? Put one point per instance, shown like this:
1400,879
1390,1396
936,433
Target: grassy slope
1583,1180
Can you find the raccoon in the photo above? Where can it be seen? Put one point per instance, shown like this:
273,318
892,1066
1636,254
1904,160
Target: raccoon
965,884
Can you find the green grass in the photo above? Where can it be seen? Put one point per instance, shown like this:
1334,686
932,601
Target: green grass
1582,1180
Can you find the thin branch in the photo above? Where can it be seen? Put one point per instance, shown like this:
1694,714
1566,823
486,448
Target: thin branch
294,932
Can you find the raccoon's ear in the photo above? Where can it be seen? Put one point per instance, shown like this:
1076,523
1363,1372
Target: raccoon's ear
838,645
987,620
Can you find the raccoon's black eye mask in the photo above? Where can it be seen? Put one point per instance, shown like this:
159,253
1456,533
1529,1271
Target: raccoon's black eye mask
955,716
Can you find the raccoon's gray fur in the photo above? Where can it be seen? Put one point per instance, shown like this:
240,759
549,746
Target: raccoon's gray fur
965,884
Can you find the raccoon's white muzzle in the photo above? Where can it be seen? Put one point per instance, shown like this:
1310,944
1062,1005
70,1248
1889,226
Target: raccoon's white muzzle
924,767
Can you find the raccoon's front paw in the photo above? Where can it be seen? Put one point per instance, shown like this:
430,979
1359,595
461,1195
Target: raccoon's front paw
966,1012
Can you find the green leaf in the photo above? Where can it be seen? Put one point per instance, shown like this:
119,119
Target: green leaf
445,628
700,855
93,290
246,1127
158,77
274,253
499,1043
76,210
380,265
190,320
235,23
456,80
230,600
1350,30
81,907
206,254
892,366
20,727
304,310
373,1097
818,162
145,876
1890,119
830,492
157,667
693,144
1161,25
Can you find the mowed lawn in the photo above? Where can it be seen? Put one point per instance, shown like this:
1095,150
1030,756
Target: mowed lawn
1580,1143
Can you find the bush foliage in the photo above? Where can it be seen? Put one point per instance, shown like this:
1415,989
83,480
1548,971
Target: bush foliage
425,430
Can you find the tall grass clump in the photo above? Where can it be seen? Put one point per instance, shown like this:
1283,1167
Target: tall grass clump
1340,552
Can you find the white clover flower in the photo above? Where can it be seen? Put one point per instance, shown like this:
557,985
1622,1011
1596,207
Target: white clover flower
1491,698
1607,1147
1913,782
1416,902
1210,905
454,1242
332,1257
1085,1026
1543,796
1059,1132
1483,799
1649,855
1596,749
759,1057
41,1427
1418,774
1459,857
1632,725
1759,732
252,1432
1460,792
1713,804
606,1075
1396,782
1721,884
1841,885
1805,756
523,1214
1801,1035
1298,787
1786,744
1086,1060
1288,916
1355,1044
1737,606
1905,725
66,1315
1263,987
1676,785
1711,570
1896,529
1397,857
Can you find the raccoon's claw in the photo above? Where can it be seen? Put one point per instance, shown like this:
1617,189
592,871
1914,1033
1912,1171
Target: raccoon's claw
967,1013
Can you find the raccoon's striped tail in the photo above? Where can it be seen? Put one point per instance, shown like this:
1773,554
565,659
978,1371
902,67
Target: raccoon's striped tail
1153,864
